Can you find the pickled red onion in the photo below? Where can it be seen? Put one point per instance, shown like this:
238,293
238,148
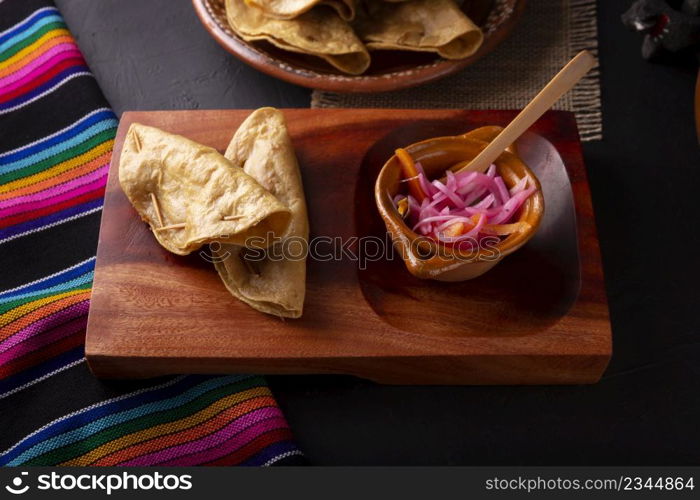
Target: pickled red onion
459,199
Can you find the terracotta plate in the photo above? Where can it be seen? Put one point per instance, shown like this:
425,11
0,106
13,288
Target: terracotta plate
390,70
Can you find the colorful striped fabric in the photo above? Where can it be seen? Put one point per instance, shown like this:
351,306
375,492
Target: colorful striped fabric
187,421
48,181
56,138
38,55
60,176
42,327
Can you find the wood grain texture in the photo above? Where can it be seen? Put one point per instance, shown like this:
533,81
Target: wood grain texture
539,317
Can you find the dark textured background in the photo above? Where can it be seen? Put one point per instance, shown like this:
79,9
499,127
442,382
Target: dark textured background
645,175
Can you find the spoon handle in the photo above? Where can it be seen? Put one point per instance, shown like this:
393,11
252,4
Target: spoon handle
550,94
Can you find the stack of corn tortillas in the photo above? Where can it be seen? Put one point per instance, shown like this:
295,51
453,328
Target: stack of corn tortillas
249,202
343,32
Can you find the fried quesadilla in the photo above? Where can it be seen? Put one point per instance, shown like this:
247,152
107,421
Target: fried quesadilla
289,9
191,195
274,281
318,32
419,25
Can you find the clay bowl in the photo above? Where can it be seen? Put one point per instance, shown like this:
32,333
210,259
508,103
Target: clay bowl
429,259
390,70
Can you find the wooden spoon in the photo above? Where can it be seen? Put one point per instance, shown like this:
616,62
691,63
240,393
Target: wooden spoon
564,81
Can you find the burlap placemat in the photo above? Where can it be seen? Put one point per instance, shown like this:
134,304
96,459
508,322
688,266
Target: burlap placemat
549,34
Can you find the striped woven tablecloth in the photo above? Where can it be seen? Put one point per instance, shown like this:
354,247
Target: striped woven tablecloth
56,138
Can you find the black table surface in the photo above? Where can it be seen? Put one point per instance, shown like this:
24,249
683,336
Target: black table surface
645,179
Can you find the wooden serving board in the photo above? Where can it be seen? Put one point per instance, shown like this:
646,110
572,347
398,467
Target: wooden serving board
539,317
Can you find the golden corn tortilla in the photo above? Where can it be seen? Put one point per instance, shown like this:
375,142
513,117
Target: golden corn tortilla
289,9
262,147
319,32
194,186
419,25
